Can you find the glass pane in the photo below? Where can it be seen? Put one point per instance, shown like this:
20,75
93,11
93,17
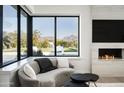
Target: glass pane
43,36
23,34
9,34
67,36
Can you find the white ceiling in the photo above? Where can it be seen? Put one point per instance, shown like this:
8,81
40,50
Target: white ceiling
53,9
65,9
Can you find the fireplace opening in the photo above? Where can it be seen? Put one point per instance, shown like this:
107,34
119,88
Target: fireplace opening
110,53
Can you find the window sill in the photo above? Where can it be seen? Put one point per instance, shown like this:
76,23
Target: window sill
15,65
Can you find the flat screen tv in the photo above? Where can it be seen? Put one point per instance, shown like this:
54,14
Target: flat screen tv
108,31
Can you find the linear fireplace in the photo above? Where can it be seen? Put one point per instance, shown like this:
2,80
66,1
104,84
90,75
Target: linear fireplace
110,53
108,59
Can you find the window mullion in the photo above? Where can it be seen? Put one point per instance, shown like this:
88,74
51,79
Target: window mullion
55,36
18,36
1,35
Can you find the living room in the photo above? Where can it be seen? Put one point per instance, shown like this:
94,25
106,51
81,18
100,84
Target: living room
67,35
72,13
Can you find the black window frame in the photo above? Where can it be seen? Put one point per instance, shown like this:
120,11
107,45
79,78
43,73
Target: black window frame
19,9
1,35
30,35
26,32
11,61
55,37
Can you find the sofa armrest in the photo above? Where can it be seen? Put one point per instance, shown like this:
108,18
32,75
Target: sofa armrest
30,83
26,81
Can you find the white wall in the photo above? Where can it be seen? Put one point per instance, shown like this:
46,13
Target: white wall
107,11
110,68
85,28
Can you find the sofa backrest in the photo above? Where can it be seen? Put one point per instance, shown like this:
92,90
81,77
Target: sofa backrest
54,61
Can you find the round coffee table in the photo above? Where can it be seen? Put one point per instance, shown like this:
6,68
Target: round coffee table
71,83
80,78
77,81
86,77
93,77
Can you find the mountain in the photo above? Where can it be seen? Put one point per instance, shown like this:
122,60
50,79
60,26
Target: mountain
70,38
66,38
49,38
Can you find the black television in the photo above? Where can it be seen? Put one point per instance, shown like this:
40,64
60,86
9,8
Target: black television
108,31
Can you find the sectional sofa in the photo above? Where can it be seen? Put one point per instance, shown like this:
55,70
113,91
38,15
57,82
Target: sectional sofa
52,78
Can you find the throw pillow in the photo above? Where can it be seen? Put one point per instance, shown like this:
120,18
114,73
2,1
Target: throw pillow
45,65
28,70
63,63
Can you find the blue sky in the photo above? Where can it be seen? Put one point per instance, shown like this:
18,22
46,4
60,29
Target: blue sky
44,25
10,19
65,26
23,23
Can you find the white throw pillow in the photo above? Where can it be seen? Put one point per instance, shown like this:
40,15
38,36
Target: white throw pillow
28,70
63,63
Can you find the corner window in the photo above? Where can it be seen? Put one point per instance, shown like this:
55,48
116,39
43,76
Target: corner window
43,36
9,33
67,36
13,34
56,36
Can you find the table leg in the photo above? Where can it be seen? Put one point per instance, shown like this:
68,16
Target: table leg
89,83
95,84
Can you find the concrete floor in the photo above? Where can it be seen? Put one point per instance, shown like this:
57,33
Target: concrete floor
109,82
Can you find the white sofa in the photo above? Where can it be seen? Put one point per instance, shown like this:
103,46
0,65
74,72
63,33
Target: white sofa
53,78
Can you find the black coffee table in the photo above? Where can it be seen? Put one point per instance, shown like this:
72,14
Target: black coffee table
86,77
79,80
71,83
93,77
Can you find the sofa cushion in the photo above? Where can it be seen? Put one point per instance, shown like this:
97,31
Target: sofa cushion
45,65
29,71
54,61
52,78
35,66
63,63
